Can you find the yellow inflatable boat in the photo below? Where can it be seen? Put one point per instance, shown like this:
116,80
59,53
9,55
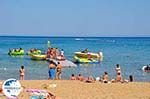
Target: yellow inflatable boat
84,60
38,57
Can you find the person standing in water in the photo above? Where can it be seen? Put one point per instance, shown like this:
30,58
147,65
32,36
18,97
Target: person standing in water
58,71
118,69
118,73
22,73
51,71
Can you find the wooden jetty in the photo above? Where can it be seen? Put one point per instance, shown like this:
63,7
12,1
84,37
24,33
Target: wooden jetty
64,63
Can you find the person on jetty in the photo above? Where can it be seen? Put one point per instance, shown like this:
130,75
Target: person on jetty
58,71
54,53
22,73
80,77
49,52
105,78
72,77
57,52
62,54
51,71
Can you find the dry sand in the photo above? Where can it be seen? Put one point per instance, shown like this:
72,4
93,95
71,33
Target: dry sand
67,89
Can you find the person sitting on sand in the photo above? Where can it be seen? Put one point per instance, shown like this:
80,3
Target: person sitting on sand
105,78
50,96
22,73
119,77
90,79
80,77
58,71
72,77
51,71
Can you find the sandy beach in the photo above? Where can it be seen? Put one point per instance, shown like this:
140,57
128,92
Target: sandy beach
66,89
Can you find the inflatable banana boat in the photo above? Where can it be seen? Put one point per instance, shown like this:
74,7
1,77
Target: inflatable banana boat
16,52
84,60
85,55
34,52
38,57
81,57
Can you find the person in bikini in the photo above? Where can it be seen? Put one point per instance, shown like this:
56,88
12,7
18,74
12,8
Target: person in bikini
105,77
118,69
49,52
90,79
119,77
80,77
72,77
22,73
58,71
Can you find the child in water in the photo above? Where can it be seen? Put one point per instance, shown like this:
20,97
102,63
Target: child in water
22,73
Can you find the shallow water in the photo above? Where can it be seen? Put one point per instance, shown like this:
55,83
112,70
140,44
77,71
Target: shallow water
130,53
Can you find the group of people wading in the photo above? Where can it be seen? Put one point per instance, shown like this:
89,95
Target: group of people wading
54,70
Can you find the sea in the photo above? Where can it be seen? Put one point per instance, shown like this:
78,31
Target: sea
132,53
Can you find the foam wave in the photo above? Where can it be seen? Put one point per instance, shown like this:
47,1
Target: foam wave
111,41
79,39
95,39
92,39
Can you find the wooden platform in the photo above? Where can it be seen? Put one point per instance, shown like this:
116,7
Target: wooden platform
65,63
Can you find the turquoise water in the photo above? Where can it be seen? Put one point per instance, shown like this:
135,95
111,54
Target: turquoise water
130,53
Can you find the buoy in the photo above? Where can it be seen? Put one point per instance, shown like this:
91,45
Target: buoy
48,43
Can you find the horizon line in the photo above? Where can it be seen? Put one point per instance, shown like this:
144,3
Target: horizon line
68,36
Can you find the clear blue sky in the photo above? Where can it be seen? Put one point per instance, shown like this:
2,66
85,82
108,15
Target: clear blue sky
75,17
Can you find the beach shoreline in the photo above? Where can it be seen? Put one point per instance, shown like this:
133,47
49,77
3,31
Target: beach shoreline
68,89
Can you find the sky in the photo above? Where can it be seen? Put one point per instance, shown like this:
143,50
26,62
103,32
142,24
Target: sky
75,18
